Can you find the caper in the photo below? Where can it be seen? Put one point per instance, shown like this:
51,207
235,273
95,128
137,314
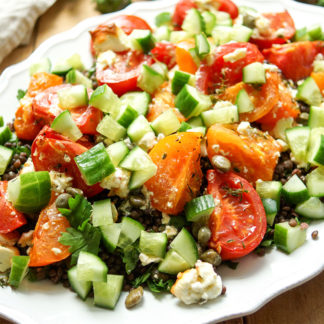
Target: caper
62,201
204,235
195,229
248,20
211,257
134,297
136,201
74,191
221,162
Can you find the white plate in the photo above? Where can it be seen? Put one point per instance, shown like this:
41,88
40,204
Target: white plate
255,282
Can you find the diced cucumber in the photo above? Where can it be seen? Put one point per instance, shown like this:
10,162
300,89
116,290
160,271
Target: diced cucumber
5,158
30,192
318,66
90,268
254,73
61,67
126,116
1,121
312,208
43,65
180,79
102,213
142,40
195,56
162,33
117,152
202,46
75,62
301,35
5,134
110,236
138,100
150,79
153,244
111,128
136,160
82,288
138,178
309,92
179,35
94,164
65,125
106,294
199,207
315,32
195,121
184,127
190,102
200,129
163,18
289,238
73,97
298,138
241,33
314,146
269,189
19,267
317,149
222,115
76,77
210,22
130,232
223,19
243,102
173,263
271,209
193,23
316,117
294,190
222,34
106,100
185,245
167,123
138,128
315,182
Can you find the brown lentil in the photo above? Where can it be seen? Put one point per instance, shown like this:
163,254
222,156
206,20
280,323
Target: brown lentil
292,222
315,235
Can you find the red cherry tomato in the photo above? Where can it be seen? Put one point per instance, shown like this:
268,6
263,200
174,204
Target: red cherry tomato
180,11
279,22
229,7
165,52
123,74
10,218
52,151
238,222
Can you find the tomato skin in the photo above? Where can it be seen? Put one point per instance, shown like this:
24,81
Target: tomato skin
165,52
50,151
10,218
180,11
229,7
295,60
46,238
122,76
184,59
238,224
41,81
278,20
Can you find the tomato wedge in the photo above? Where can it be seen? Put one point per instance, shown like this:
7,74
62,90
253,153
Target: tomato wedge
253,154
165,52
123,74
279,22
46,248
41,81
10,218
54,152
229,7
179,177
319,79
264,99
238,223
184,59
180,11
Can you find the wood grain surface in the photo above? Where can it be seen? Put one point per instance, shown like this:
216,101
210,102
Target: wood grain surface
302,305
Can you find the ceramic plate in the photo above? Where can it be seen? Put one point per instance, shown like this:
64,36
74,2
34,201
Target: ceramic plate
256,280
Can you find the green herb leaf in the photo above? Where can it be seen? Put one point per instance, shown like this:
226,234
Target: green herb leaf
178,221
21,94
130,256
158,286
142,279
266,243
17,149
231,264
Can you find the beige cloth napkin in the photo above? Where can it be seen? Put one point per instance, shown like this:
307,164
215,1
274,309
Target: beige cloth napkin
17,20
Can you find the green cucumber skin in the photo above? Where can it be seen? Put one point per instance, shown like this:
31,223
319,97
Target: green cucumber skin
82,288
153,244
19,266
199,207
173,263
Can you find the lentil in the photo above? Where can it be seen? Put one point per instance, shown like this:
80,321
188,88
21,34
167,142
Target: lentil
315,235
292,222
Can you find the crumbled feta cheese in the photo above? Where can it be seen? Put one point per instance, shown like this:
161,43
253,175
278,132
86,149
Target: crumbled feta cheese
56,251
236,55
223,104
318,63
118,182
147,141
244,128
160,136
270,67
262,24
284,146
26,238
60,181
105,59
170,231
165,219
128,143
215,148
203,148
147,259
198,285
6,253
28,166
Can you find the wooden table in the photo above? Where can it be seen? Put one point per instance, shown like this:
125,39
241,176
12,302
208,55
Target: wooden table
302,305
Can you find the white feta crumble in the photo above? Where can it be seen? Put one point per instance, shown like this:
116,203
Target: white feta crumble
56,251
147,259
6,253
128,143
118,182
236,55
147,141
223,104
284,146
28,166
105,59
197,285
60,181
270,67
160,137
170,231
262,24
318,63
26,239
165,219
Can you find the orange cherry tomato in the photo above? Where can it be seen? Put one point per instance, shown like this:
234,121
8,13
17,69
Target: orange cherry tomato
183,57
319,79
41,81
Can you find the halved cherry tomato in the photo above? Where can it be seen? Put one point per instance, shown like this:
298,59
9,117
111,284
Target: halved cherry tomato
163,100
229,7
179,177
46,248
165,52
295,60
264,98
26,125
253,153
10,218
180,11
41,81
278,22
184,59
123,74
46,108
52,151
319,79
238,222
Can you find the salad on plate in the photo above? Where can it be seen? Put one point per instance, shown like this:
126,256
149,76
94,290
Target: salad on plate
183,148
